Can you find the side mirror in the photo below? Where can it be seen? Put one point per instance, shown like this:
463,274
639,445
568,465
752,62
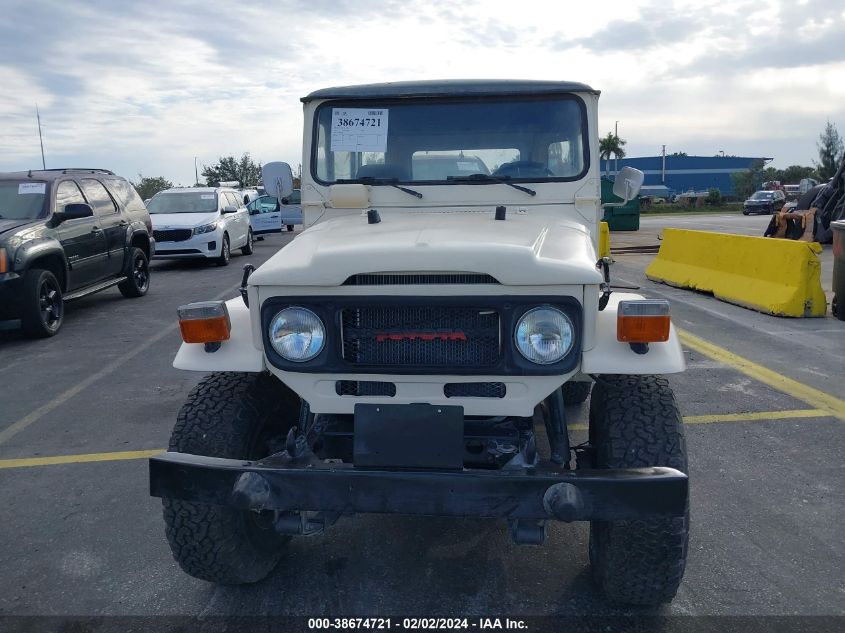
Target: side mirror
74,211
230,208
628,182
278,179
284,200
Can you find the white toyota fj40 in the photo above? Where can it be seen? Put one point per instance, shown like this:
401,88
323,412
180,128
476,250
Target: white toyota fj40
414,349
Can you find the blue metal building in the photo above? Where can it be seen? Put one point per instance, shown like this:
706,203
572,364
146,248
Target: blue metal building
684,173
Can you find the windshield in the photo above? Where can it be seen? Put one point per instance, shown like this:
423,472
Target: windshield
444,142
22,200
183,202
762,195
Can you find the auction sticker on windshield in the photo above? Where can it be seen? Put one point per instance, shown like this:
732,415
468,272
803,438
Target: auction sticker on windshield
359,130
31,187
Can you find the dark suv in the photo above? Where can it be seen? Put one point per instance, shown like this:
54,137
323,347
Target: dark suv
64,234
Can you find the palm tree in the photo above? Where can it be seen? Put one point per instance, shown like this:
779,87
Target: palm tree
611,144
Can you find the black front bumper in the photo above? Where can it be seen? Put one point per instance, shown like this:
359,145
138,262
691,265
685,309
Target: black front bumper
281,483
10,290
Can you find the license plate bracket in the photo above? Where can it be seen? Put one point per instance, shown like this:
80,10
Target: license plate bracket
408,436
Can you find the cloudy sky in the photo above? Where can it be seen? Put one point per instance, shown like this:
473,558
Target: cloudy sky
144,87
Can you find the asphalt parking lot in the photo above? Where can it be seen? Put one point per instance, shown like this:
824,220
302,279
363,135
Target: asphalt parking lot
763,401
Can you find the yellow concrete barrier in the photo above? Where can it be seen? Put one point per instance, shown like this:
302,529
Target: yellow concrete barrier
779,277
604,240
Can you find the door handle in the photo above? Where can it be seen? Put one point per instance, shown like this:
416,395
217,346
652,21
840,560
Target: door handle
96,229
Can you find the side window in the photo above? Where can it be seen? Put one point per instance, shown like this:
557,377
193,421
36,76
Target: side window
295,197
98,197
233,199
124,192
68,193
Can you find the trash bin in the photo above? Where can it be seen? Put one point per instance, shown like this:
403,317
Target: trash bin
624,218
838,269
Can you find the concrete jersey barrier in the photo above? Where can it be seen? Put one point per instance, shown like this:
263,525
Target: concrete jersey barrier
779,277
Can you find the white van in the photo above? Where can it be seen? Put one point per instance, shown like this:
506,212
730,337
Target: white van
200,222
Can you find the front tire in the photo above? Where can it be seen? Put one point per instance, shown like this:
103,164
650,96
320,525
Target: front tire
235,416
635,422
42,306
225,252
247,249
289,228
137,273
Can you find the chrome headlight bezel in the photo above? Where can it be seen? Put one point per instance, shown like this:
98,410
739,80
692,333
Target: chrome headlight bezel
308,322
522,339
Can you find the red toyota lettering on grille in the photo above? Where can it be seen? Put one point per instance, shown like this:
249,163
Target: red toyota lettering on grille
381,337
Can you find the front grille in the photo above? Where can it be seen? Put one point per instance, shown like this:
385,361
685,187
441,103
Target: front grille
173,235
364,388
474,390
421,336
418,279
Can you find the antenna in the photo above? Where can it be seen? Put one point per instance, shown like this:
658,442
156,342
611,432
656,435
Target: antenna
40,138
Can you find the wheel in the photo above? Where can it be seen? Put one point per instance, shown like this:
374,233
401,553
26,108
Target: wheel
635,422
225,252
744,212
137,275
247,249
575,392
236,416
289,228
42,308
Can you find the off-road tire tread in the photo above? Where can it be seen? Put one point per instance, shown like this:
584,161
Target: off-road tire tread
635,422
221,417
575,392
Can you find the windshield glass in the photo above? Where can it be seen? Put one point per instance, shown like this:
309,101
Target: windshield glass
183,202
762,195
22,200
440,142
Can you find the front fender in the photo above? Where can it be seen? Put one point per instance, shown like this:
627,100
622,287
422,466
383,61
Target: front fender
610,356
236,354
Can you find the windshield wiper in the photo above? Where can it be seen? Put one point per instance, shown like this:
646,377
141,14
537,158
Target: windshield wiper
488,178
370,180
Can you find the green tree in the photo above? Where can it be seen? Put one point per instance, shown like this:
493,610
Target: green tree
793,174
245,171
611,144
746,182
148,186
830,151
714,197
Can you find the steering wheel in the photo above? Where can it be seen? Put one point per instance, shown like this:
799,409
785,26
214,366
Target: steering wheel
523,169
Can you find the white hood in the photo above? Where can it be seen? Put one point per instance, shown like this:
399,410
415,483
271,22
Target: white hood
182,220
521,250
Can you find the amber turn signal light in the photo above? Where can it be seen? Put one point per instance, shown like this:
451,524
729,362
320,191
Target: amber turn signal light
643,321
4,262
205,322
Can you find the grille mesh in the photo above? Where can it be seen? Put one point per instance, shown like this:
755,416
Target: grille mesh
418,279
474,390
364,388
431,336
172,235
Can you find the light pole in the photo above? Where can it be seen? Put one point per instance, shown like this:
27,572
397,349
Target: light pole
196,172
615,155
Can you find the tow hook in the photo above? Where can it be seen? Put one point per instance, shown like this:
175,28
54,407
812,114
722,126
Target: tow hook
248,268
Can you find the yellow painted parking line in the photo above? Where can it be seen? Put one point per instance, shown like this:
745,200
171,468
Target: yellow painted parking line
119,456
812,396
755,416
78,459
751,416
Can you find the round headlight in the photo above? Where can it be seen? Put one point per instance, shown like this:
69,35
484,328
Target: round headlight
544,335
297,334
